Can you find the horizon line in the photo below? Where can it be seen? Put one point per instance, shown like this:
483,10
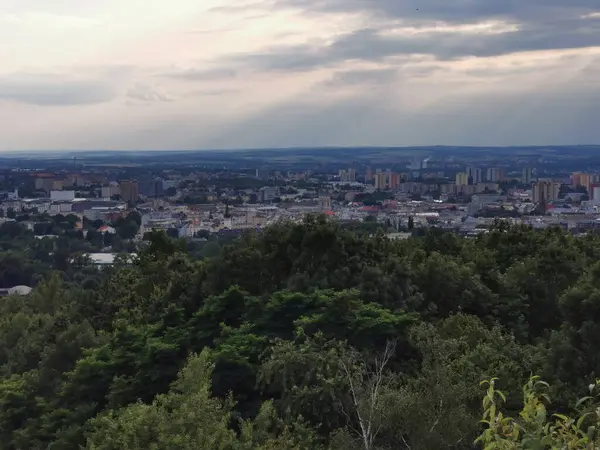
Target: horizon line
330,147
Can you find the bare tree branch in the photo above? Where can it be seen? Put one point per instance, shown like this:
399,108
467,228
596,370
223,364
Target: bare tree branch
365,390
405,443
437,420
348,418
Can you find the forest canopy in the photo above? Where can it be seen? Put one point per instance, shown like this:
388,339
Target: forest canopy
309,336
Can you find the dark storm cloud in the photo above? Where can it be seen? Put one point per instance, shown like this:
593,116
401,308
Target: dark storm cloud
456,11
540,25
372,45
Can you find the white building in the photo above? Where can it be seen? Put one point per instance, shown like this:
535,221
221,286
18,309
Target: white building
16,290
60,208
10,196
158,220
480,201
111,190
62,196
267,193
595,195
107,259
101,212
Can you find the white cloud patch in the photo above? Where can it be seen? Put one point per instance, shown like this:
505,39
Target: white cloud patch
147,94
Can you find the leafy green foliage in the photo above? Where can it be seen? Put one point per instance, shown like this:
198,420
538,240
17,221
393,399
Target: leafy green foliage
274,340
188,417
535,427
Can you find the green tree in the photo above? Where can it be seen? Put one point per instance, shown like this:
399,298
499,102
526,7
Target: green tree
185,418
188,417
128,229
210,250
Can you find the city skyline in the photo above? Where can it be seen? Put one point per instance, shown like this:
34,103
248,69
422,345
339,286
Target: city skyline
297,73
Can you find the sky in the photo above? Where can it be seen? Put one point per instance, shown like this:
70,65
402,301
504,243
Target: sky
211,74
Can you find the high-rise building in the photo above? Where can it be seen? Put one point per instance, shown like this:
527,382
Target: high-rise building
110,190
325,201
381,180
475,175
495,174
394,180
527,175
73,179
49,184
129,191
462,179
347,175
585,180
595,193
545,191
369,175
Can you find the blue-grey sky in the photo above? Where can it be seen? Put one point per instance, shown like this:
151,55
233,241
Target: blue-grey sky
136,74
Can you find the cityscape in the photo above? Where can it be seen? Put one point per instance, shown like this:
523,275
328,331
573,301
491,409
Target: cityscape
399,191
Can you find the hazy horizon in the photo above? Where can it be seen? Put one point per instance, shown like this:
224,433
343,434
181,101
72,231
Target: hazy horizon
64,152
259,74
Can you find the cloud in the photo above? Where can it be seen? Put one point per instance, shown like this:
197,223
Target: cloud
372,45
210,31
363,77
439,29
540,117
458,11
378,45
212,93
251,6
147,94
52,89
200,74
293,58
